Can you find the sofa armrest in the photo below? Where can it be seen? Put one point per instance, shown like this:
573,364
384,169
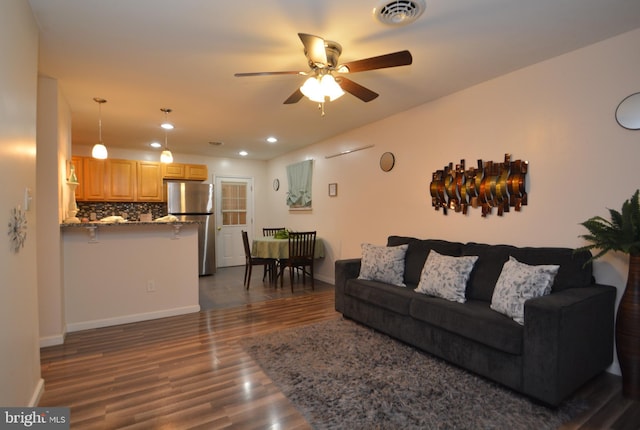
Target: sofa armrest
344,270
568,339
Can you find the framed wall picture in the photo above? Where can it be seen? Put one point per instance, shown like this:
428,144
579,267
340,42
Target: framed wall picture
333,190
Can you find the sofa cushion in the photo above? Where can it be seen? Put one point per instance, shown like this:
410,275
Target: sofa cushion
380,294
383,263
445,276
491,258
519,282
473,320
417,254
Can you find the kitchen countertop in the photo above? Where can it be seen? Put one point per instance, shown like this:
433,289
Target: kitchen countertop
123,224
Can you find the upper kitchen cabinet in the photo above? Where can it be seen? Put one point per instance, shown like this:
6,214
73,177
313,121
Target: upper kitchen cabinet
105,180
149,184
129,181
173,171
188,172
196,172
92,179
120,180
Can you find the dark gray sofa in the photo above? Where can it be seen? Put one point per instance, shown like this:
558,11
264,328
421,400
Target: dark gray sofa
566,340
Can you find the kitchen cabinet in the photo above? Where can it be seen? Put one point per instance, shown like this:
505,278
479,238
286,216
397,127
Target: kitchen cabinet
120,180
189,172
196,172
173,171
149,182
93,174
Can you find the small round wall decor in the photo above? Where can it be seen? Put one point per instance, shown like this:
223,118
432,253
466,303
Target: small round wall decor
276,184
17,229
387,161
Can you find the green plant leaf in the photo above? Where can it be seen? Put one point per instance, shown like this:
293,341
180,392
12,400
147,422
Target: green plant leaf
620,233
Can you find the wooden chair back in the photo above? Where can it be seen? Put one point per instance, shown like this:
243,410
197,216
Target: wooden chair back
271,231
302,246
247,247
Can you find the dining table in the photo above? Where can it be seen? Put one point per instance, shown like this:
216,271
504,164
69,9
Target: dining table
270,247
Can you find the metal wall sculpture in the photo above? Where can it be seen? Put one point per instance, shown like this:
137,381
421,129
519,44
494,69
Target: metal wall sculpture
499,185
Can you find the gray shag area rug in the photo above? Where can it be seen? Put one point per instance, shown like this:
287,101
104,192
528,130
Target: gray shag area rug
342,375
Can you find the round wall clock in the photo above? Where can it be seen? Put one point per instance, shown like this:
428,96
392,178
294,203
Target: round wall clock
387,161
276,184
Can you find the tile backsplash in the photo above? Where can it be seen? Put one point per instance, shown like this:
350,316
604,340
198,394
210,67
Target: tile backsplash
129,210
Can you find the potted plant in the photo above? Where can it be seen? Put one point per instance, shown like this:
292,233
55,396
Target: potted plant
622,233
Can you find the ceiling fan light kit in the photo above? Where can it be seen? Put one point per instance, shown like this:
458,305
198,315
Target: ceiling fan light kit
322,85
318,89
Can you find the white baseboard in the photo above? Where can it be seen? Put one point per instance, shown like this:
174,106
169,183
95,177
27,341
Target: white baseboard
326,279
37,393
86,325
52,340
615,368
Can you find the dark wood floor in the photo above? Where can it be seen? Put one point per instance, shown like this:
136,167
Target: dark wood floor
188,372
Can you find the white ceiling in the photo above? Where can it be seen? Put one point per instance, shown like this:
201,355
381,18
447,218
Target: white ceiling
143,55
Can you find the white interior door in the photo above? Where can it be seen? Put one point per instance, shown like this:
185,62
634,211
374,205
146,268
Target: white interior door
234,213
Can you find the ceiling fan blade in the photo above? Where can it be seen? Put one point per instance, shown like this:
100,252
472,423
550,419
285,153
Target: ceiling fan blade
314,48
242,75
401,58
364,94
294,98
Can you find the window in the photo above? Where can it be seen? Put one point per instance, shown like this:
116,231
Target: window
234,203
299,176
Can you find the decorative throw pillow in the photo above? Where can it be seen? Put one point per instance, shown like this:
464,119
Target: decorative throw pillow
519,282
446,277
383,263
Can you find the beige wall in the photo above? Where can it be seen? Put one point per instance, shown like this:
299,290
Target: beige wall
106,278
20,382
54,150
558,114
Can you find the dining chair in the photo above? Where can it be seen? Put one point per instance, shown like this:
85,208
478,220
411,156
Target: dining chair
271,231
301,250
251,261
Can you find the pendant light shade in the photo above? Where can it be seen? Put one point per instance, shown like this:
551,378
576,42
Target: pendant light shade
318,88
166,156
99,150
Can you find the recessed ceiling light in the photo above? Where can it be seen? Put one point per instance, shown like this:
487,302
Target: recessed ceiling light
155,145
243,153
272,139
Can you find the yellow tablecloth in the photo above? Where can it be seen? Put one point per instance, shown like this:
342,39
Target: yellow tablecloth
270,247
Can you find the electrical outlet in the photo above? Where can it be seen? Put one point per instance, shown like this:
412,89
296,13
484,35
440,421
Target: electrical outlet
151,286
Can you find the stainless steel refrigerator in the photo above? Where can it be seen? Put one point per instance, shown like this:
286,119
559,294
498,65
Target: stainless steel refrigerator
193,201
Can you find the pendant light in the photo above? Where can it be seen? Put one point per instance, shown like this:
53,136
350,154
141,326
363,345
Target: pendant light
166,156
99,150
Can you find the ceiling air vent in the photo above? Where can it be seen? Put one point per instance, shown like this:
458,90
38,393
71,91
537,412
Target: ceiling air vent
400,12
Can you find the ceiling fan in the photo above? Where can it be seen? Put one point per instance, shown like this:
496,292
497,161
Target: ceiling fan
325,72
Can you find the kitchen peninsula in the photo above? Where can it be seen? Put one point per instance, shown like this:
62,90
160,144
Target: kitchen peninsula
118,273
